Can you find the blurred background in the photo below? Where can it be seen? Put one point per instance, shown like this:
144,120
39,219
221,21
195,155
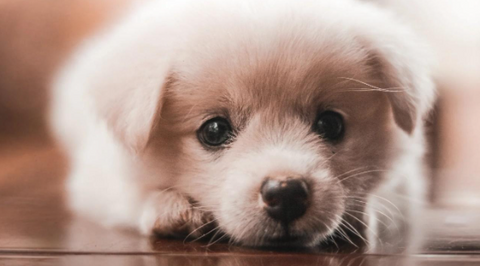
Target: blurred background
36,36
452,29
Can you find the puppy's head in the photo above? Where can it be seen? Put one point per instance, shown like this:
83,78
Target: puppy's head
279,121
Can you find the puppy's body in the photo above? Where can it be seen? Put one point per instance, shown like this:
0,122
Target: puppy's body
129,108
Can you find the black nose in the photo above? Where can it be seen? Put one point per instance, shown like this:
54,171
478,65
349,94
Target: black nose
285,200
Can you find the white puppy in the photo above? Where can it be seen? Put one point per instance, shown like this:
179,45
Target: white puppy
282,122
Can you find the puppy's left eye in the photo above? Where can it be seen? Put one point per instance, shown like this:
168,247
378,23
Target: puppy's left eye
215,132
329,125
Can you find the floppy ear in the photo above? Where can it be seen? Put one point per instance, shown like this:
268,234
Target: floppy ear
404,73
128,74
131,104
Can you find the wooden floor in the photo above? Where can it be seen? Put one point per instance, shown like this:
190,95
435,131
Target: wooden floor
36,228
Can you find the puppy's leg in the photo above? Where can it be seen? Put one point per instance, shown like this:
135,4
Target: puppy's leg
105,186
393,219
386,232
169,213
115,201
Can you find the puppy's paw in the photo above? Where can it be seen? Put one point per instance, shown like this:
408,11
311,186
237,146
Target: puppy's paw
168,213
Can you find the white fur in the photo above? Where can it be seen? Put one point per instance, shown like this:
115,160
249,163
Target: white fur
108,96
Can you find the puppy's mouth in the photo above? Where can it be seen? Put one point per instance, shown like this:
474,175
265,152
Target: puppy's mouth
290,242
285,241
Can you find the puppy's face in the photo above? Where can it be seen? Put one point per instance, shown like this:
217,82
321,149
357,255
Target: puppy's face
280,144
278,121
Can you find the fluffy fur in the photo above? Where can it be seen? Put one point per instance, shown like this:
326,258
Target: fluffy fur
128,105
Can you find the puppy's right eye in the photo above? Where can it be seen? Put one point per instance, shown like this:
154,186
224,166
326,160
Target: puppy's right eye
215,132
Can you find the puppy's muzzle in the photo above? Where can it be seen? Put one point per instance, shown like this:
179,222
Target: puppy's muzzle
285,201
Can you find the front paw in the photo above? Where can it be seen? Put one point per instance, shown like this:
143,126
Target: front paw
168,213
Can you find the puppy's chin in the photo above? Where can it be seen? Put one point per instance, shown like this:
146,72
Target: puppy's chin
295,239
262,231
276,235
299,241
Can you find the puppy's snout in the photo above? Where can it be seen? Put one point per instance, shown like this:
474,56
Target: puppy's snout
285,200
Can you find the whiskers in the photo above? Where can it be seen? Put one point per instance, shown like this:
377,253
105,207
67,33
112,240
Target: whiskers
380,217
198,229
354,174
212,240
345,235
214,235
370,87
352,234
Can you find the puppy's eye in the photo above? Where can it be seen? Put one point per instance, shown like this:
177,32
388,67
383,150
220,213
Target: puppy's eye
215,132
329,125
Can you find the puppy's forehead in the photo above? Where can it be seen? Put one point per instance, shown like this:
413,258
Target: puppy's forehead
289,71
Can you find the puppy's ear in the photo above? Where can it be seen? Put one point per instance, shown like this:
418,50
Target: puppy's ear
404,73
127,78
132,104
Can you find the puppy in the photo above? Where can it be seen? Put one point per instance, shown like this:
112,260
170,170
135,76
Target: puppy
276,122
